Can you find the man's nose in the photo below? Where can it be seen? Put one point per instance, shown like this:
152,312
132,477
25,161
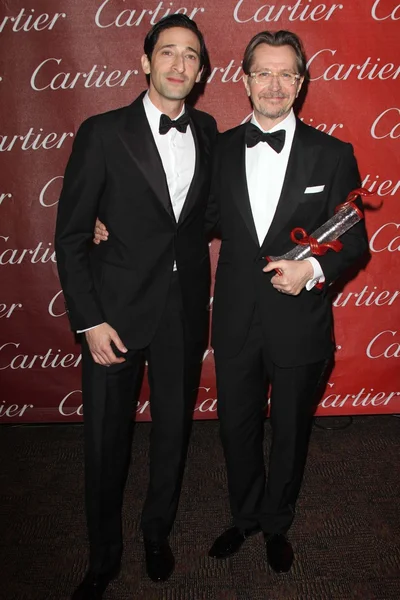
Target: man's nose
274,83
179,63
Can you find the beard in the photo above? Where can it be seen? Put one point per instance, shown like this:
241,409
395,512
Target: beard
271,112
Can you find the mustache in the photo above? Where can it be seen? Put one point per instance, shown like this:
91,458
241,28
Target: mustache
271,95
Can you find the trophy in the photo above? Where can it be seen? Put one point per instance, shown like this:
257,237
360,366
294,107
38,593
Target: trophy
326,236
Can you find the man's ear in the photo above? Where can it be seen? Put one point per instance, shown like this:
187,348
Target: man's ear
146,66
299,85
199,75
246,84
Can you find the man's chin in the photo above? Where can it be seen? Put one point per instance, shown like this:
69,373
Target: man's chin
175,92
177,95
273,112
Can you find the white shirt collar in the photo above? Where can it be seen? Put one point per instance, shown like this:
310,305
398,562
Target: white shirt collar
153,114
288,124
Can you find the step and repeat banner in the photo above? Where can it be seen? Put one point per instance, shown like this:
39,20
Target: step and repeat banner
64,60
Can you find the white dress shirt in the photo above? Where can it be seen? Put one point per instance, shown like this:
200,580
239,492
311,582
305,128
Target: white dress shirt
265,173
178,156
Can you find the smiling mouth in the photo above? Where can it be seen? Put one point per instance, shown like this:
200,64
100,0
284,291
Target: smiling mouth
273,97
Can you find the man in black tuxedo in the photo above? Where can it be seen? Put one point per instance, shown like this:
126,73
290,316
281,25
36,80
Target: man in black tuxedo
272,175
145,171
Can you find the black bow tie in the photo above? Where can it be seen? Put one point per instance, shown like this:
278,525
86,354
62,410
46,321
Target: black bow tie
254,135
180,124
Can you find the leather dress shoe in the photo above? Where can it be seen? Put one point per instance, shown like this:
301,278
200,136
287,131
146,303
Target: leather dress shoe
160,561
93,587
279,552
229,542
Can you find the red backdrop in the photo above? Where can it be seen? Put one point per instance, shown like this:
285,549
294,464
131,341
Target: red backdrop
63,60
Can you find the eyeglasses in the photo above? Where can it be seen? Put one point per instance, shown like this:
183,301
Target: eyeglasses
285,78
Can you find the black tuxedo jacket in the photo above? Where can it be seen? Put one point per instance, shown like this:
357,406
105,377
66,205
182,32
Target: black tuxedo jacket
115,172
297,329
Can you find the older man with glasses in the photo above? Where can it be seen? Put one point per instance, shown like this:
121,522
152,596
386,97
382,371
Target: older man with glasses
272,324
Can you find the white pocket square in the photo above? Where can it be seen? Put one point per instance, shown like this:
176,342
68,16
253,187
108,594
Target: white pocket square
314,189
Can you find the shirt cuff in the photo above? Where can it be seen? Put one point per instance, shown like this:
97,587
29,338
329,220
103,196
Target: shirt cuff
318,276
88,329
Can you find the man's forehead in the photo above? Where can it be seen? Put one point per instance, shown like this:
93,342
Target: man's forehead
283,53
178,36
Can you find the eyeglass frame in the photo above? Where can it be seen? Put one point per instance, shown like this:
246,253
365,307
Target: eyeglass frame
295,76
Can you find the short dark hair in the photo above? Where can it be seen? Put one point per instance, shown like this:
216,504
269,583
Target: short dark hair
176,20
275,38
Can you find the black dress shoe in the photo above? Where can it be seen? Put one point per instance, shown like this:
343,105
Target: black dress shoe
230,541
88,591
279,552
160,561
93,587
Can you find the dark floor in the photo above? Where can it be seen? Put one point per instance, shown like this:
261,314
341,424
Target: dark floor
346,535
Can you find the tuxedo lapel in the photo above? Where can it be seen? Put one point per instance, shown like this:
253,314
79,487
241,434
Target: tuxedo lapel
301,162
240,192
139,143
202,150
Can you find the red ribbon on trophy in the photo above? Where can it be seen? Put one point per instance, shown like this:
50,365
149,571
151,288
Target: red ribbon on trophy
316,248
326,236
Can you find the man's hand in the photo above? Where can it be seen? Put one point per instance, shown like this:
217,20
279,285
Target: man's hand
99,340
100,232
295,274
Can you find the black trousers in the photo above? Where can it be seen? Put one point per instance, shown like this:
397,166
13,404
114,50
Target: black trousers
109,399
242,383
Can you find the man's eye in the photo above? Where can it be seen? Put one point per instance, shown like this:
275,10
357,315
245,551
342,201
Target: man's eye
167,52
286,75
264,74
191,56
